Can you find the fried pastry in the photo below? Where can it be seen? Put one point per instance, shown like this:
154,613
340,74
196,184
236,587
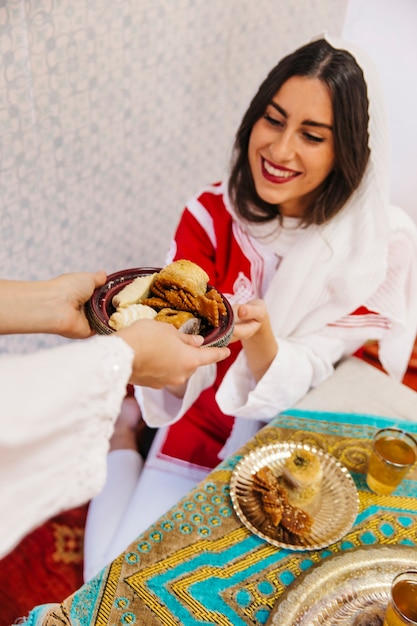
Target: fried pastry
276,505
211,308
273,497
184,274
273,506
183,320
155,302
181,285
264,480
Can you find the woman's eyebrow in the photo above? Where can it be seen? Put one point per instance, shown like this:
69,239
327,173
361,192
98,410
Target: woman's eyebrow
279,109
305,122
318,124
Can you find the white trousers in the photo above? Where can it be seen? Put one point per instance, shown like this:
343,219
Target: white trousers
134,497
105,510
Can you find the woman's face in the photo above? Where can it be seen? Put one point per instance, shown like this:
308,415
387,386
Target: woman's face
291,148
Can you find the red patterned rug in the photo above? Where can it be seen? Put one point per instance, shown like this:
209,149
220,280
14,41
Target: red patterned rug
47,566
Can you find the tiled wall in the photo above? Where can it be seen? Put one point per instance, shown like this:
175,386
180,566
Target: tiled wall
114,112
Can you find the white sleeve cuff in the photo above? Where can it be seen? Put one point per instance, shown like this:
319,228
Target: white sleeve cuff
288,378
161,408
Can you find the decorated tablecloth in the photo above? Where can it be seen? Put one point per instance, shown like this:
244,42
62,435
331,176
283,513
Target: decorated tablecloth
199,565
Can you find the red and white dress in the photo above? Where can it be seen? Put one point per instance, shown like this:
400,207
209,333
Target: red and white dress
328,289
241,262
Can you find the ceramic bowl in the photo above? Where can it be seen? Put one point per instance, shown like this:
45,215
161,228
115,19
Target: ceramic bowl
99,308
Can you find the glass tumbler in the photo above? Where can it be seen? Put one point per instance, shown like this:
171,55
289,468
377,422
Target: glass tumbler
394,453
402,606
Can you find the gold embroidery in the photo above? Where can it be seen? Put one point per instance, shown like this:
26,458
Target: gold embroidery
68,544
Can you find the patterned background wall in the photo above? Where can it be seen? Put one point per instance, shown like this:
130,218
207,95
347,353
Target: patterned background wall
114,112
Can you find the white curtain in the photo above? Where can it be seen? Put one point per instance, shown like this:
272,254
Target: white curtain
114,112
386,29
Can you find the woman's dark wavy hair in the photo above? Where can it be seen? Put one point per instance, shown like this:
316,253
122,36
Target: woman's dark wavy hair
344,78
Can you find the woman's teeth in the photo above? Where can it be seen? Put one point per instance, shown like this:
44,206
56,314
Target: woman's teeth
274,171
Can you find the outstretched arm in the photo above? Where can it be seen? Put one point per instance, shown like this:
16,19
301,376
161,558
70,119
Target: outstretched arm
53,306
253,329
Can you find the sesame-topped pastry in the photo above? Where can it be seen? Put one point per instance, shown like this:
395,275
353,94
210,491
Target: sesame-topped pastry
296,520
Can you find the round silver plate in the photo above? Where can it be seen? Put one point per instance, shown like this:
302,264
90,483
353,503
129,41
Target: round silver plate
343,587
333,510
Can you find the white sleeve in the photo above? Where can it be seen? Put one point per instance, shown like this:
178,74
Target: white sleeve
57,413
298,366
159,407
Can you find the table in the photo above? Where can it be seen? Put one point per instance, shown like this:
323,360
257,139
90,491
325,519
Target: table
199,565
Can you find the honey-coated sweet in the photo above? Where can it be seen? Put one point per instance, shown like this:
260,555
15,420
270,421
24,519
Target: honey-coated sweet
181,286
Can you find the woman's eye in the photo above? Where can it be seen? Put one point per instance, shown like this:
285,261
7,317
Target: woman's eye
313,138
272,120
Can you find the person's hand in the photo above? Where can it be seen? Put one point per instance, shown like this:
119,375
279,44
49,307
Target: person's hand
253,328
49,306
68,294
249,319
164,356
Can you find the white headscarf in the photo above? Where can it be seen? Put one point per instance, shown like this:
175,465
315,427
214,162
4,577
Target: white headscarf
349,254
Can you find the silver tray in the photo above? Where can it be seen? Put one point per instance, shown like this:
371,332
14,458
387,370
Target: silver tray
333,510
343,587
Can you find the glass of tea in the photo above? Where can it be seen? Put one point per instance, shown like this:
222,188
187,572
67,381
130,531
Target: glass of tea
402,606
394,453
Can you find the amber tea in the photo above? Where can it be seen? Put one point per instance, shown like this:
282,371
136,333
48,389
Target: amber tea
402,608
394,453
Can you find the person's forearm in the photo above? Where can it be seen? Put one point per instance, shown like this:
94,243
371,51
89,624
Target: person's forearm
48,306
26,307
260,351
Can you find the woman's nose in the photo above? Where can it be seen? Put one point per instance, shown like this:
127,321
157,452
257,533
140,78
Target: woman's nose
283,147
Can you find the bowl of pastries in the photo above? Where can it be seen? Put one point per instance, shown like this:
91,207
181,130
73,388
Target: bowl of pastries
178,294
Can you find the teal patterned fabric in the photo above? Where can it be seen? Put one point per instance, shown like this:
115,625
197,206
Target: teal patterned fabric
198,565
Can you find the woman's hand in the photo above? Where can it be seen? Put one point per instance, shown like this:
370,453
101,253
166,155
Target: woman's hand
253,329
249,319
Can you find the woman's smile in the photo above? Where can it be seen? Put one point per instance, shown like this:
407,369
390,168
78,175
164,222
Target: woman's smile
277,175
291,150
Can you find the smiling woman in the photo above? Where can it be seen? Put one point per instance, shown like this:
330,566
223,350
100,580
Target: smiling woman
291,150
314,104
303,242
